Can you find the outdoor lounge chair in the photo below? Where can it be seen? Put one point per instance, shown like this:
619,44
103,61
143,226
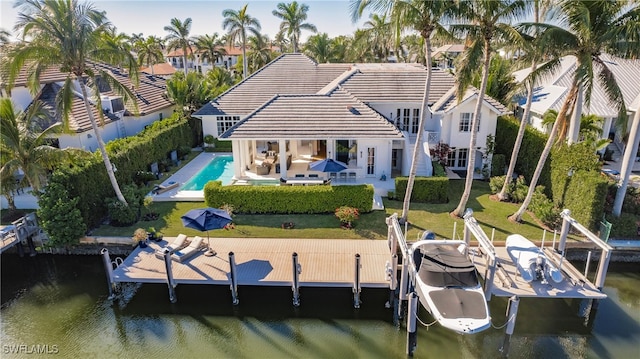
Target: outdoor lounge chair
177,244
159,189
313,175
189,251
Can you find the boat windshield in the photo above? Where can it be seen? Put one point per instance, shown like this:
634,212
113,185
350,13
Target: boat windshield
445,266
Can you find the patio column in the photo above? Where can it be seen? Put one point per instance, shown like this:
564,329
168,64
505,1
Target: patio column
282,144
237,158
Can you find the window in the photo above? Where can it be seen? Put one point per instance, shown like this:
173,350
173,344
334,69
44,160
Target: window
406,118
371,160
462,157
117,105
416,120
465,122
226,122
451,158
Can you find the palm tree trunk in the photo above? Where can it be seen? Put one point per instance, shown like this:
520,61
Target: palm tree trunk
244,56
574,125
517,217
184,58
418,145
459,211
103,149
627,164
516,146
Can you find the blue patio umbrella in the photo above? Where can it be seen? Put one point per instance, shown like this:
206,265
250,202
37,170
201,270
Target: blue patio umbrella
204,219
327,165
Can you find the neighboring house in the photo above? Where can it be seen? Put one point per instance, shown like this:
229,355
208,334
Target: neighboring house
365,115
195,62
445,55
120,120
164,70
553,89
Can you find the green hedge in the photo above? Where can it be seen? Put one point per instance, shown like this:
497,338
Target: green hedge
89,182
288,199
425,189
498,164
585,197
566,160
532,145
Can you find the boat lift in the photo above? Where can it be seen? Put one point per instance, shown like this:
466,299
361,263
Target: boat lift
500,274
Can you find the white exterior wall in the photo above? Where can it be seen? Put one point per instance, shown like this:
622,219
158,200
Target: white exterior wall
382,157
209,126
133,125
451,123
87,140
21,97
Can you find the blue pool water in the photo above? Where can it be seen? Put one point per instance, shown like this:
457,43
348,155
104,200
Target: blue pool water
220,168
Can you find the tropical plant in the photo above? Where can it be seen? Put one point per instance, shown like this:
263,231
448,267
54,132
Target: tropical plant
220,80
238,23
190,92
4,37
178,38
210,47
320,48
149,51
59,215
67,33
414,45
378,29
347,215
500,84
293,16
484,22
260,53
587,30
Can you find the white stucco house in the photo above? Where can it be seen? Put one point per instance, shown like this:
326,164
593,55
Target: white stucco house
553,89
195,61
365,115
119,120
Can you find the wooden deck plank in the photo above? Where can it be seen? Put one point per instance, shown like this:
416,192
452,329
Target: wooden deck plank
266,261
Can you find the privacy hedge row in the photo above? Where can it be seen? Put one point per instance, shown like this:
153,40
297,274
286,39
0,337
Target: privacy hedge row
425,189
88,179
586,198
532,145
288,199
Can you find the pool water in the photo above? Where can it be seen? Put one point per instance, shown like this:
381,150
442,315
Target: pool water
220,168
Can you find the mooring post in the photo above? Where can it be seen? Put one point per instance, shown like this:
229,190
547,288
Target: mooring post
586,265
564,232
512,313
20,248
412,335
170,282
234,279
356,283
402,291
603,267
32,247
296,280
392,277
108,267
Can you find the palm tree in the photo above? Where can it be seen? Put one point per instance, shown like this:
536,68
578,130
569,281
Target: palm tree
414,45
424,17
238,24
627,164
210,47
380,36
260,53
281,41
484,24
536,49
4,36
320,48
67,34
178,38
24,145
150,51
293,17
589,30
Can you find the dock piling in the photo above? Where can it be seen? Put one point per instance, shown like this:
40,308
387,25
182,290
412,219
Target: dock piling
296,280
108,266
412,335
170,282
234,278
356,283
512,313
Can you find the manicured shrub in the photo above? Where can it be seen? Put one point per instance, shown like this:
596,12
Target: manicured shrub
543,208
498,163
585,197
625,226
288,199
516,192
438,169
425,189
59,215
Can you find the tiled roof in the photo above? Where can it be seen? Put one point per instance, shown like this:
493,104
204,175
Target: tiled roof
51,74
163,69
332,116
287,74
449,101
626,72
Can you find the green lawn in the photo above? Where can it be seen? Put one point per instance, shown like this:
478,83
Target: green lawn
434,217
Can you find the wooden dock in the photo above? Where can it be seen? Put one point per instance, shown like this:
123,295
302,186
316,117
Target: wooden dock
265,262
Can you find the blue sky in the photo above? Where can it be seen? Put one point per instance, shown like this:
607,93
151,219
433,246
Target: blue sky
150,16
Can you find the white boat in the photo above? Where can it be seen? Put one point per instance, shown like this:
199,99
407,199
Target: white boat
448,287
531,261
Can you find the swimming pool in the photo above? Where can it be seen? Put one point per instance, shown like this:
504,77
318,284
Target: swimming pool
219,168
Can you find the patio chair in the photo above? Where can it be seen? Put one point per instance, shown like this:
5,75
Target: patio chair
177,244
333,176
189,251
299,175
343,177
313,175
352,176
159,189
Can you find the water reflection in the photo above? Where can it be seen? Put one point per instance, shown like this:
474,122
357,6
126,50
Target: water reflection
62,301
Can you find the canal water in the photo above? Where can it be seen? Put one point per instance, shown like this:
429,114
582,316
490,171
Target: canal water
58,305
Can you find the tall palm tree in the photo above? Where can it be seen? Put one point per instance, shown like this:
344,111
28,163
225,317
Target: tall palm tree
67,34
627,164
536,50
293,17
588,29
485,21
281,41
414,44
210,47
260,53
24,146
380,36
238,23
424,17
150,51
320,48
178,38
